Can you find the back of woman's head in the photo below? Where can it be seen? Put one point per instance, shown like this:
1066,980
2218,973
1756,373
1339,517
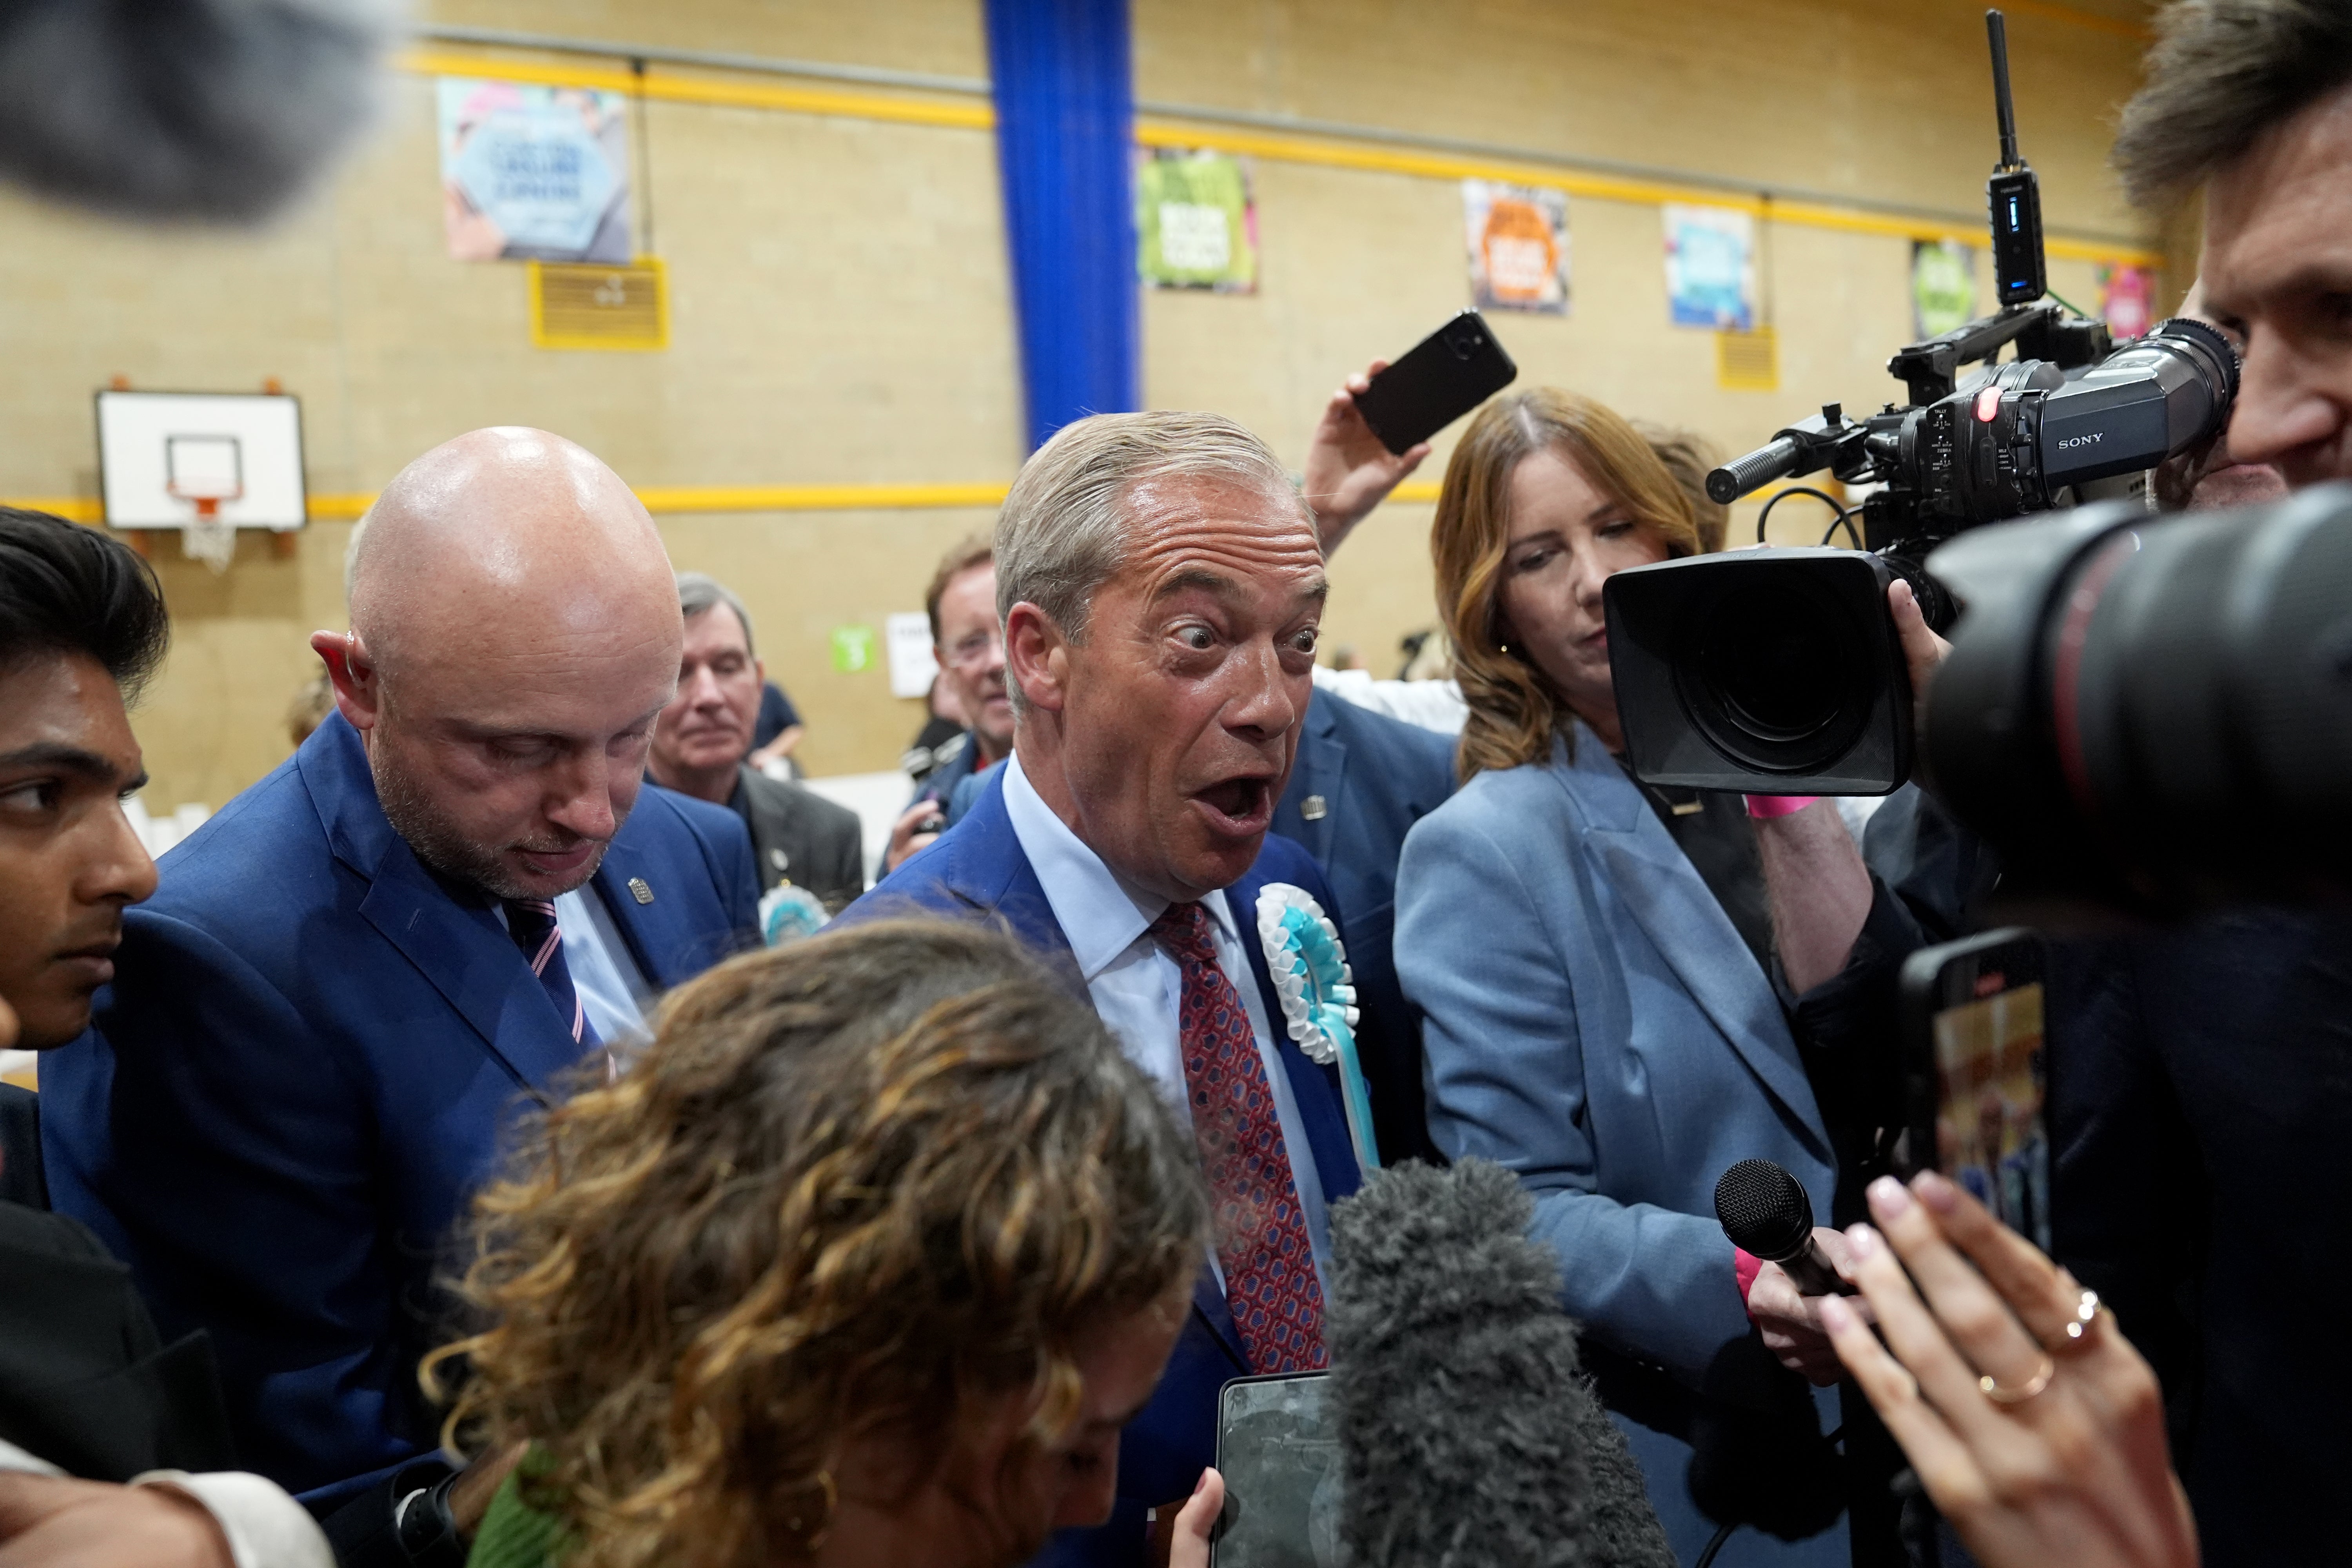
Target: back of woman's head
1515,712
854,1187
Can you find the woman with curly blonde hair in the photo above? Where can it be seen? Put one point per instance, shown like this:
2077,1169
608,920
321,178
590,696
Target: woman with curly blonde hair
1601,965
867,1260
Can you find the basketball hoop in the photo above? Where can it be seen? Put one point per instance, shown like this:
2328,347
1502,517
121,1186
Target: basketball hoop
205,470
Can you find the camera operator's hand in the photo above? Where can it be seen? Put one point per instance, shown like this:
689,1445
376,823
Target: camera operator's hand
1189,1544
1349,472
1923,650
916,829
2034,1426
1791,1323
50,1522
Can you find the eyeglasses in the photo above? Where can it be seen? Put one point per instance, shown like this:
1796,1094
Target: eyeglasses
976,650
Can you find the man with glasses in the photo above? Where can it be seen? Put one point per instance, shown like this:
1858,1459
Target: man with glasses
699,745
970,646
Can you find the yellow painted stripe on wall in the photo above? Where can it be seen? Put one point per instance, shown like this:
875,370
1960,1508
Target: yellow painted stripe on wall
661,500
1280,146
659,83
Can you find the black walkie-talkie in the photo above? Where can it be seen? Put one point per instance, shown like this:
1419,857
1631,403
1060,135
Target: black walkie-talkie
2013,193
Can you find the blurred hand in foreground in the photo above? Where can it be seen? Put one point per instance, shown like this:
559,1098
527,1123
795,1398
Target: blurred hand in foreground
1189,1545
1349,471
2034,1426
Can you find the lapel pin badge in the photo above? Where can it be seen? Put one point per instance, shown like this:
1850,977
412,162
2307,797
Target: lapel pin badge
1314,808
639,892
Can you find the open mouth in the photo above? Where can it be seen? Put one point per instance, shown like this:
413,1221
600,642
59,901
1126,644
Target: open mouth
1239,806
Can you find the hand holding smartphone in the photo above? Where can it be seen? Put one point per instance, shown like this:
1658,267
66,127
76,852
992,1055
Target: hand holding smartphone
1445,375
1977,1076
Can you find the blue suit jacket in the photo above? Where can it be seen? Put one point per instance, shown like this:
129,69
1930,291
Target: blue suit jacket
303,1067
1373,777
978,871
1594,1022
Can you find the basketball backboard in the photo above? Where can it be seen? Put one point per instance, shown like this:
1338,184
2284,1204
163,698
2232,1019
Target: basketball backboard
169,459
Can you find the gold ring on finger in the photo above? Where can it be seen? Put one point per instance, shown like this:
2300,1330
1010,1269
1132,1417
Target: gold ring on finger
2019,1396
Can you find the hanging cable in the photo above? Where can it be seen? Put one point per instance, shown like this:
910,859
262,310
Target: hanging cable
645,161
1826,498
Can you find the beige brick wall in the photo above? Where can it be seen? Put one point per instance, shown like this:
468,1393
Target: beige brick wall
840,313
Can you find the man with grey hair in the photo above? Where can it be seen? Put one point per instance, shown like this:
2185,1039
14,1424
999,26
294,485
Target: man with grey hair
1160,586
445,905
799,838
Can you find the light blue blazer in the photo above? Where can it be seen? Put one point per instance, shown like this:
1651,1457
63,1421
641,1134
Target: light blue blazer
1595,1023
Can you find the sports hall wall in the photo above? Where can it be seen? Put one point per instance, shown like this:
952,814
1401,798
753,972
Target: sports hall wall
841,315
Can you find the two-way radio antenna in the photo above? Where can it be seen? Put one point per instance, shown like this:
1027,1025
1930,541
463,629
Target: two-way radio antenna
1997,31
2012,197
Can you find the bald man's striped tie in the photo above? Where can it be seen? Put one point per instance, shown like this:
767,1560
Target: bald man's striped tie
531,921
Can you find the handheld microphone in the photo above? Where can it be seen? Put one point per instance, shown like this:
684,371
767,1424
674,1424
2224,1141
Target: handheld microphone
1467,1433
1764,1211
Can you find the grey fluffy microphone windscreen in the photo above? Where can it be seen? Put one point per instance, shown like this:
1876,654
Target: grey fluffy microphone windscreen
217,111
1469,1436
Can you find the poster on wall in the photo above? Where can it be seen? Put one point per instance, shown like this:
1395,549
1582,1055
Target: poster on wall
1195,223
2126,300
534,174
1517,238
1943,286
1711,266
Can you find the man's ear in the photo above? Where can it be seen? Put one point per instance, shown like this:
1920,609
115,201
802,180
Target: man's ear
359,685
1036,656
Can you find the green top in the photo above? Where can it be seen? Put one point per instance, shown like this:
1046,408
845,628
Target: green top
513,1534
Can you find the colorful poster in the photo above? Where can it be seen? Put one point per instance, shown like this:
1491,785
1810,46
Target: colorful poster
1711,266
1517,236
1943,286
2126,300
1195,223
534,174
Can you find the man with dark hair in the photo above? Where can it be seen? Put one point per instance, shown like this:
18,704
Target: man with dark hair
88,1388
2252,101
798,837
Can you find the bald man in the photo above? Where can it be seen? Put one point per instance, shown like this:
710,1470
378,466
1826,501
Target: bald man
452,901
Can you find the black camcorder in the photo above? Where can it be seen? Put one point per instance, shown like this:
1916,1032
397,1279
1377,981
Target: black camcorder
1779,670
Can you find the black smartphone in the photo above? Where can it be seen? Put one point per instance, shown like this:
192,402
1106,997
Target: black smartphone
1446,374
1279,1453
1976,1073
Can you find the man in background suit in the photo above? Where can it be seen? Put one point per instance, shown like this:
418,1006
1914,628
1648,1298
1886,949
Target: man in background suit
1362,780
798,836
356,972
1162,589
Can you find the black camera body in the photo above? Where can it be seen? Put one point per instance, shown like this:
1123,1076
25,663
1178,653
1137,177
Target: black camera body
1778,671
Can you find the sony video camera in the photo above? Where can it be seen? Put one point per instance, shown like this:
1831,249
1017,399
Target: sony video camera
1779,670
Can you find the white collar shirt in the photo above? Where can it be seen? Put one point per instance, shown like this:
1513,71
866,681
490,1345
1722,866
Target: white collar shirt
1136,987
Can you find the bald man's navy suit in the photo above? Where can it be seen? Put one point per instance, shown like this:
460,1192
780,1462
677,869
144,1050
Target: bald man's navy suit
978,870
306,1063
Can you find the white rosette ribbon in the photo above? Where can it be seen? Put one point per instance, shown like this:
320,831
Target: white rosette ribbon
1308,965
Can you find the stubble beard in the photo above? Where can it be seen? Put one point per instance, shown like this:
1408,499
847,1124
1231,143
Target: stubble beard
443,847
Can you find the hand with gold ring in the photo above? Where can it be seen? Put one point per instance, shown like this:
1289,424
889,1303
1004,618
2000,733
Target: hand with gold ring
2040,1445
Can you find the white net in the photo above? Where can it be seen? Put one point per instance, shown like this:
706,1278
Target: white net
211,539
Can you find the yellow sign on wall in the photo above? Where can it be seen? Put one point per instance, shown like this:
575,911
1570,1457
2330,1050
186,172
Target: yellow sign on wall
587,306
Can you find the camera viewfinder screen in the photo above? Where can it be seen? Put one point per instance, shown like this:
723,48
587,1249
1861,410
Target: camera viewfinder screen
1988,1105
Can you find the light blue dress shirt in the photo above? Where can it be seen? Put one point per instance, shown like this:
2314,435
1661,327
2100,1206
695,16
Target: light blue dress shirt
1135,985
613,989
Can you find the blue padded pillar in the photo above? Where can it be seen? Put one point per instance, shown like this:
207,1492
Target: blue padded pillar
1065,137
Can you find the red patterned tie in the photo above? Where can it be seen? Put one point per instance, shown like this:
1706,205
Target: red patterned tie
1260,1231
